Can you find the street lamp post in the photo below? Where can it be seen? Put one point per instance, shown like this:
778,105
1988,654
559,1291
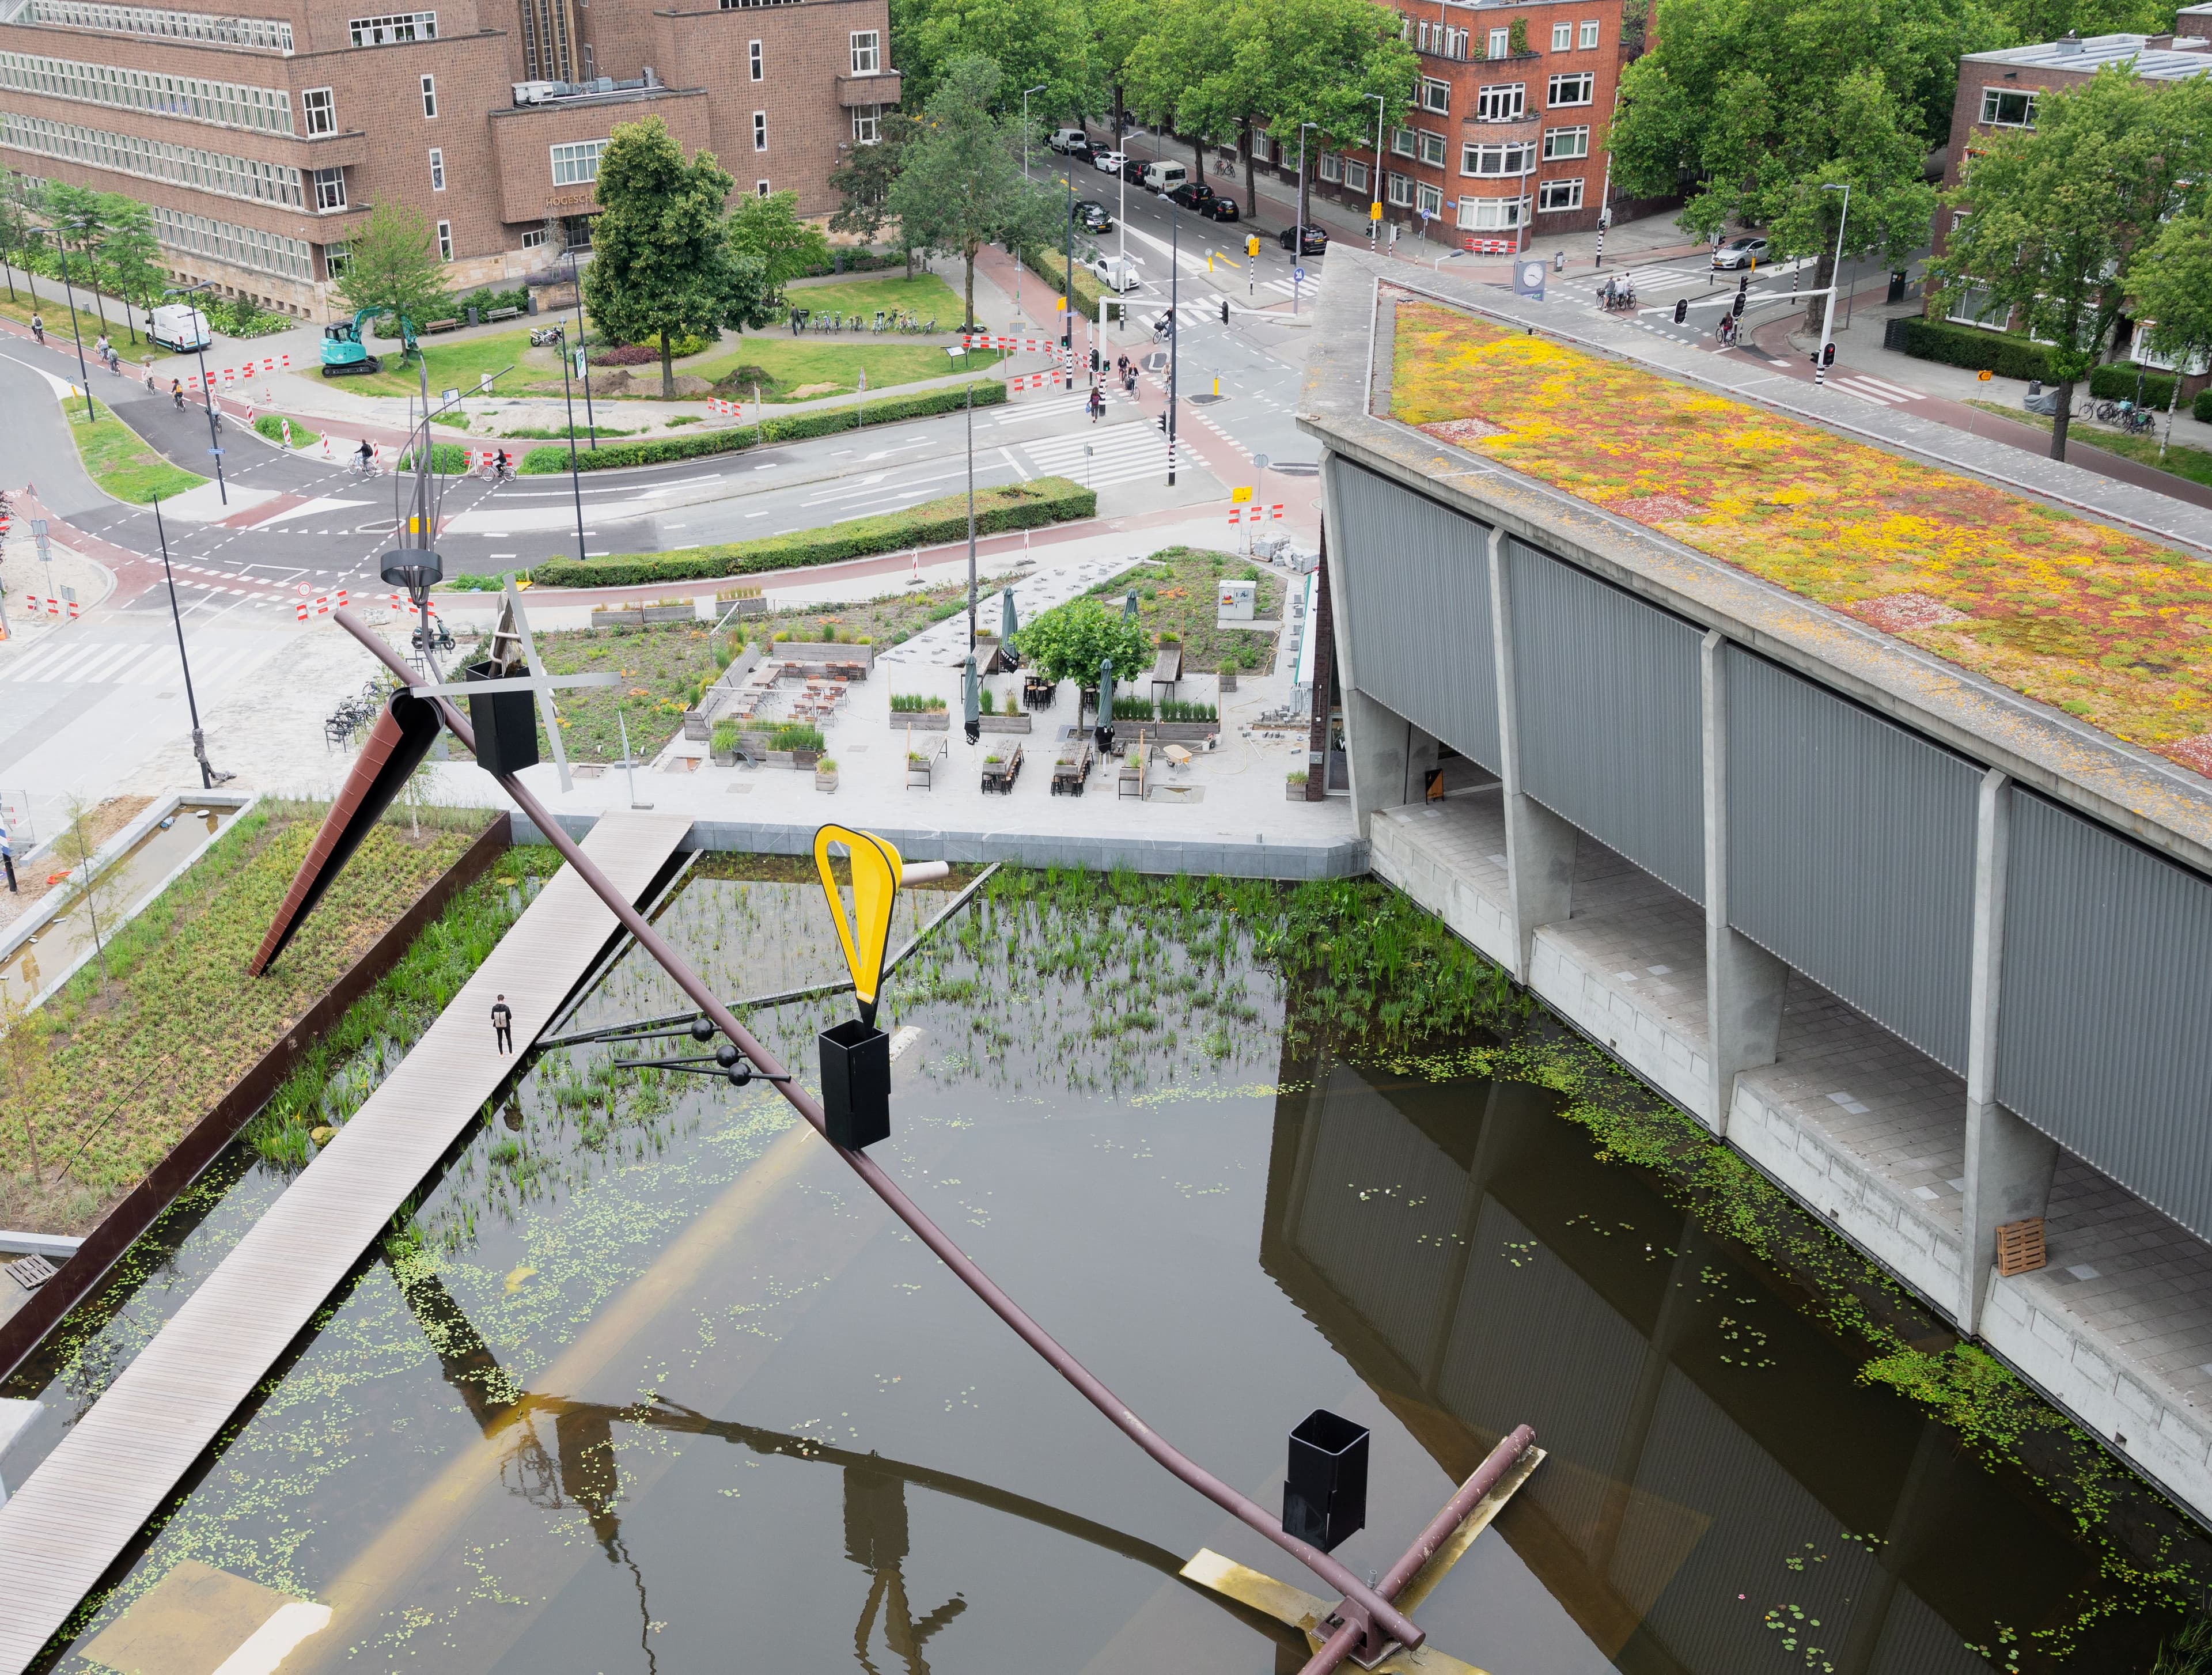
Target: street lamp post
576,481
208,777
1835,272
583,361
1374,180
62,246
1175,327
1298,248
207,388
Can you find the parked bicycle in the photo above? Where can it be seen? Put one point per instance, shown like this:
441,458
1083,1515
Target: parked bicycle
2126,415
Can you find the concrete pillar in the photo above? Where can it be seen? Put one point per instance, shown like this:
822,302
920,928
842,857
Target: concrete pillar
1539,846
1376,743
1423,753
1745,985
2008,1164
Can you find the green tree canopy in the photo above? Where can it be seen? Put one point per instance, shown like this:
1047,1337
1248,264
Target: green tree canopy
2169,289
79,217
130,256
960,184
392,263
664,261
19,231
1044,44
769,230
2057,221
1069,641
864,179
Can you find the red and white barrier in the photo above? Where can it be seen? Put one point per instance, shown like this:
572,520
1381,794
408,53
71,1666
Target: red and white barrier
727,409
321,605
397,601
1254,514
59,607
1492,247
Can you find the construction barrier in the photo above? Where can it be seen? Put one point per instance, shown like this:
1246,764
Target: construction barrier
59,607
398,602
321,605
285,425
1254,514
727,409
1493,247
1011,345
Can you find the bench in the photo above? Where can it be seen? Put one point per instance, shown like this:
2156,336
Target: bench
1167,669
441,325
1071,770
503,314
999,776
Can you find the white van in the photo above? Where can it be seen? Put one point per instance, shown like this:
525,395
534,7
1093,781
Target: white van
178,326
1061,138
1163,177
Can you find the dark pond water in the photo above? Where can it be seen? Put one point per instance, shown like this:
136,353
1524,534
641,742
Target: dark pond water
654,1384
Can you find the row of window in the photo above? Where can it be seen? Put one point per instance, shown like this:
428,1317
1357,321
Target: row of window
155,160
1505,101
390,31
272,34
240,247
225,103
577,162
1446,41
1489,157
1484,214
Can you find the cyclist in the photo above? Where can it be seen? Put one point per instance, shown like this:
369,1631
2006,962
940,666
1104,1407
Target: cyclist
499,471
177,393
39,326
99,348
364,458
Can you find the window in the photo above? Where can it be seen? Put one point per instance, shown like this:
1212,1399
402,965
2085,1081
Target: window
577,163
158,160
437,169
534,239
867,124
753,53
1432,148
1563,37
240,246
1976,307
1579,88
2004,109
1431,199
1491,215
336,259
1443,40
1513,158
1355,175
387,31
1560,195
1501,42
1500,104
1263,145
1331,167
429,95
760,188
1589,34
1401,190
1436,95
867,55
760,131
445,241
1402,141
268,33
330,189
320,107
1566,142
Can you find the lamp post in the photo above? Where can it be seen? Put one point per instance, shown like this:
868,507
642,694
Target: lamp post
1067,298
207,388
1828,310
1299,249
576,481
1374,180
62,246
209,778
1175,327
1017,254
583,364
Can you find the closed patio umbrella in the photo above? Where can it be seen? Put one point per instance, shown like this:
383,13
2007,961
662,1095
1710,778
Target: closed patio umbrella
1010,624
971,698
1129,605
1105,735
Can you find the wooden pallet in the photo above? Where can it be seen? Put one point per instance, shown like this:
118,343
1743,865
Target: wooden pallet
2020,1247
84,1507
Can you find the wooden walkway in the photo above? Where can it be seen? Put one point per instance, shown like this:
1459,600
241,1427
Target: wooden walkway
78,1511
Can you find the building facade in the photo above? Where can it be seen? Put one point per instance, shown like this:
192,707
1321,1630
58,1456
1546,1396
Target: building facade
260,143
1506,140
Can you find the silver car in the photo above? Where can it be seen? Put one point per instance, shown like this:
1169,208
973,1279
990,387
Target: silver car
1741,252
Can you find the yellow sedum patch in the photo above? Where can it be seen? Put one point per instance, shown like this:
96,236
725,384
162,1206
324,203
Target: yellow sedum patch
2108,626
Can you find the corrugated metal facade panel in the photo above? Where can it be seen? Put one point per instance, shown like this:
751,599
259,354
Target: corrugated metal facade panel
1419,577
1851,853
2104,1007
1606,692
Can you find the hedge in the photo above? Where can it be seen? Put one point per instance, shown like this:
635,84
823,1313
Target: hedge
1051,266
1017,505
2004,353
2117,383
2200,410
792,427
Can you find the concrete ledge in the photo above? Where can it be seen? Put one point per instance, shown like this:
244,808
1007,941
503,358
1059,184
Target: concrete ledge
1468,892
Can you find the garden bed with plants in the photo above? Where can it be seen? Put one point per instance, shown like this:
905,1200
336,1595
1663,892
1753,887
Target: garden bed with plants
664,669
119,459
111,1071
2106,625
1177,593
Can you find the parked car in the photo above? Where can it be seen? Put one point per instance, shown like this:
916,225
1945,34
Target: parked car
1092,217
1741,252
1219,208
1061,138
1316,239
1190,195
1116,273
1110,162
1164,177
1133,170
1082,151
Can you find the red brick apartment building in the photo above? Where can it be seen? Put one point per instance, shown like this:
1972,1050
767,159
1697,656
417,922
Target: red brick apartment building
259,141
1999,91
1507,136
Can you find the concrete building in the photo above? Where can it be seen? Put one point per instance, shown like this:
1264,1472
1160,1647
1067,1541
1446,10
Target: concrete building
260,142
1933,952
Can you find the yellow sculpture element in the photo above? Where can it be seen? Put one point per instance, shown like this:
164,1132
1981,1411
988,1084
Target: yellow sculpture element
866,936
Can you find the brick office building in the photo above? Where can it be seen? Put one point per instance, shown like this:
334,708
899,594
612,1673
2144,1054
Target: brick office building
259,141
1507,136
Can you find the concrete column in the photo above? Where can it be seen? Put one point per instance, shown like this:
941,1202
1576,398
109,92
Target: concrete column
1422,752
1377,741
1539,846
1745,985
2008,1164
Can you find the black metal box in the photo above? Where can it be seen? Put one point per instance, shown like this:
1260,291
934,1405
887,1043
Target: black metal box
1325,1496
506,725
856,1084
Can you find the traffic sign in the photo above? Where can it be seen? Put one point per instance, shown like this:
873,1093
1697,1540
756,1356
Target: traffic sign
1983,376
1374,212
1239,496
1298,274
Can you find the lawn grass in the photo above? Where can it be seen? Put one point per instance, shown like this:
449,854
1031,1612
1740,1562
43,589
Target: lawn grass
1176,593
118,460
925,296
119,326
2181,460
453,366
271,425
659,664
829,367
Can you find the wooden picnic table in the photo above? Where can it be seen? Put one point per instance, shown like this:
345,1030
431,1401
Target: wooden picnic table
1167,668
921,772
1000,777
1072,769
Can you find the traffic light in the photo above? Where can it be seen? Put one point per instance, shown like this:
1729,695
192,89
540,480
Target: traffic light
1095,361
1827,354
1252,245
1224,311
1681,309
1743,284
1737,309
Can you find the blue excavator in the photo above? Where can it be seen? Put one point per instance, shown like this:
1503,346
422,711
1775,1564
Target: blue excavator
345,348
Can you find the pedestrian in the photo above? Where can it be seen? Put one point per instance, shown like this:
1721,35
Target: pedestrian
502,1024
8,858
1097,403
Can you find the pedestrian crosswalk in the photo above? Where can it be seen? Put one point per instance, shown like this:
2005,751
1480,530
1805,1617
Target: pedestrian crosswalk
1868,387
127,663
1120,453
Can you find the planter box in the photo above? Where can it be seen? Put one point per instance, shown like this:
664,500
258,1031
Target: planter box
1006,724
1177,732
695,726
825,781
636,616
780,759
806,759
1294,790
1228,680
925,721
725,758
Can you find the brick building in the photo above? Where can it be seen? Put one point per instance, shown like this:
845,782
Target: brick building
1507,138
260,142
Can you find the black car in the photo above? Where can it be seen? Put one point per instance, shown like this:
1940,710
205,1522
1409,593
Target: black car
1316,239
1219,208
1191,195
1134,170
1083,151
1092,217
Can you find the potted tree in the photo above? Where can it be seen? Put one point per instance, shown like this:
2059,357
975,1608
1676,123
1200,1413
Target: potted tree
1230,663
724,745
825,774
1294,788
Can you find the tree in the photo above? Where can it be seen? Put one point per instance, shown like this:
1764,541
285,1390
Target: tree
392,263
769,230
98,890
961,186
864,178
1184,76
2054,220
1117,27
2170,293
19,197
132,256
1325,58
79,217
1043,44
663,260
1069,641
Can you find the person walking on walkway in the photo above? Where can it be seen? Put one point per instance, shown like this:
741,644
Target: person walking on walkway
502,1024
8,858
1097,402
